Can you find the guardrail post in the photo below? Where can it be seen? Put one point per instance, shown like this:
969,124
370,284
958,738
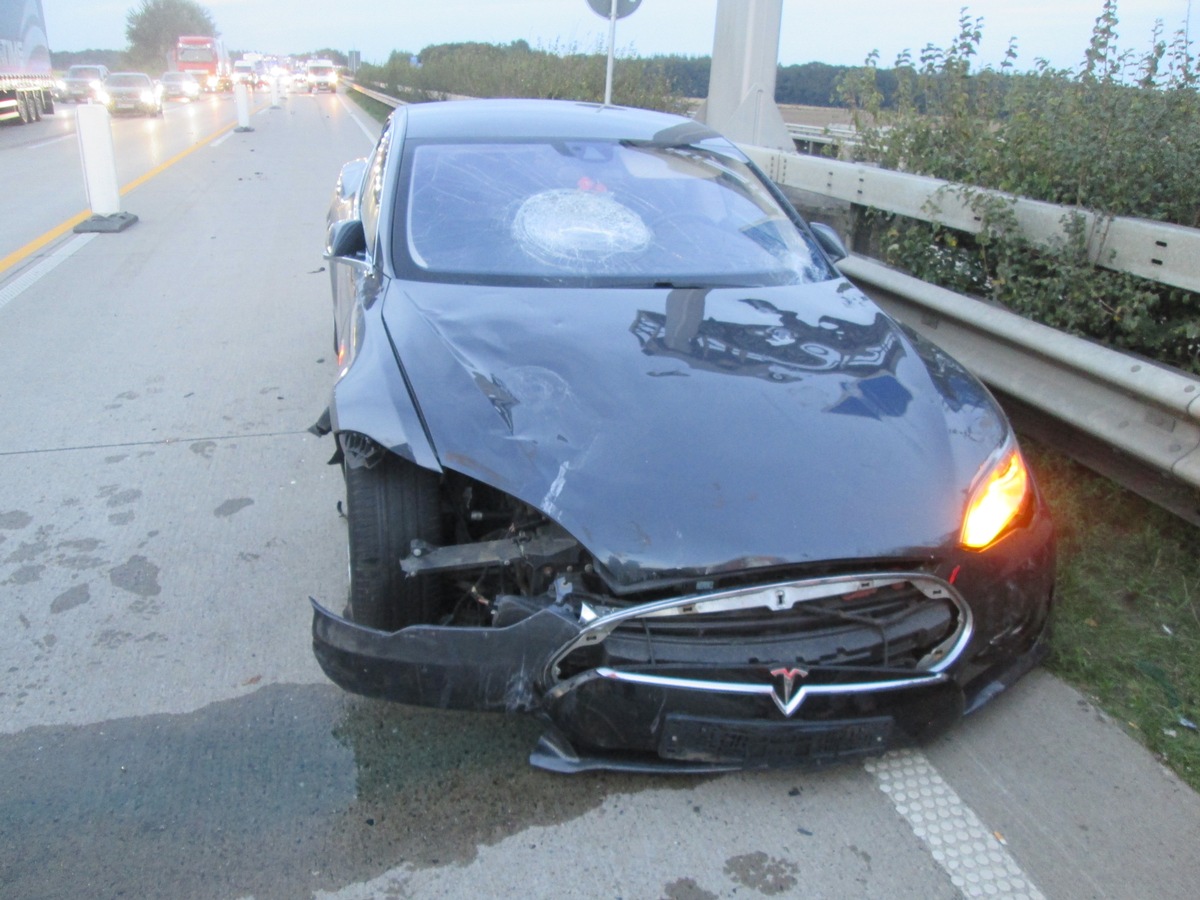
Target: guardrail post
94,129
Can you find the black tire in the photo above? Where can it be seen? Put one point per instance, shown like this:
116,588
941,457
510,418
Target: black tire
388,506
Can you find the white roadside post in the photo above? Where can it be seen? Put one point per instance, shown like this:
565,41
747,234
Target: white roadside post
94,129
242,99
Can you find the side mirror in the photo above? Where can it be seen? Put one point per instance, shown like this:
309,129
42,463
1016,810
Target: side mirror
829,241
346,239
344,203
350,179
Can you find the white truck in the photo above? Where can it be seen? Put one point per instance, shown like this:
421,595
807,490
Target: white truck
26,82
321,75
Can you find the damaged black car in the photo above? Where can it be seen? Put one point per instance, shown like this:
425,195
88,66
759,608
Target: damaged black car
625,451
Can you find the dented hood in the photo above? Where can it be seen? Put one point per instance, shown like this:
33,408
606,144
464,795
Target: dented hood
694,431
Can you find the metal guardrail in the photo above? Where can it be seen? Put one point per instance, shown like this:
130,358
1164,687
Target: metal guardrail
829,135
1168,254
377,96
1133,420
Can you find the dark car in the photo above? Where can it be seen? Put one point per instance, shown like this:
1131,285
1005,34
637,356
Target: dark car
624,450
133,92
179,86
83,82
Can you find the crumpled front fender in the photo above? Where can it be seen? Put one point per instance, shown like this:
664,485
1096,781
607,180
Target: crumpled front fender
495,669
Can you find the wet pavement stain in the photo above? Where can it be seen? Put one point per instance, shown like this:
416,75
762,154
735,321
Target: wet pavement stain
80,563
82,545
28,551
71,598
15,519
686,889
229,507
25,575
288,790
203,448
123,498
763,873
137,575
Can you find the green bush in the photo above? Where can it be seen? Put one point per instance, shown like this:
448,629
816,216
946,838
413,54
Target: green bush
1120,137
516,70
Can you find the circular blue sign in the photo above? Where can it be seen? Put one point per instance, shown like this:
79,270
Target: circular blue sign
603,8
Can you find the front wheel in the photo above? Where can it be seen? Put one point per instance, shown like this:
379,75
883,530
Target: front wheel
388,506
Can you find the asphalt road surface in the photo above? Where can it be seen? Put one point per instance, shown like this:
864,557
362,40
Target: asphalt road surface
165,516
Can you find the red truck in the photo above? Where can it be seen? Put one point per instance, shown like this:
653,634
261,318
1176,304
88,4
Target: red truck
205,57
26,84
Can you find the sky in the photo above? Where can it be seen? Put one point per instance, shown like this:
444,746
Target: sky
840,33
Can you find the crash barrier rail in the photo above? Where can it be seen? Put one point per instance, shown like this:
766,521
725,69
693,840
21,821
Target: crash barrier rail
1168,254
1131,419
395,101
826,135
376,95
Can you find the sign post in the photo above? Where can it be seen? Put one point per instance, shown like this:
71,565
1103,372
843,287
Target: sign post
612,10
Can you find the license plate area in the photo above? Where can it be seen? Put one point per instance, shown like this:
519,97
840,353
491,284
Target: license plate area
754,743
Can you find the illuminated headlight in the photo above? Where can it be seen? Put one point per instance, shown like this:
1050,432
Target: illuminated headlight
147,96
333,78
102,96
997,499
190,87
96,84
212,81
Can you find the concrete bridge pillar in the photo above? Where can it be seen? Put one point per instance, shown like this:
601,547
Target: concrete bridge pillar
741,92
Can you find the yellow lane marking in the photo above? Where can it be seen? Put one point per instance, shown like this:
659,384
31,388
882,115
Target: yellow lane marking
58,231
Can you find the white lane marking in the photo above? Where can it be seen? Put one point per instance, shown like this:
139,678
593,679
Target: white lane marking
357,121
45,267
46,143
976,861
222,139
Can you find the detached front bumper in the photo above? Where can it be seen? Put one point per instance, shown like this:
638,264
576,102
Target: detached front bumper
671,701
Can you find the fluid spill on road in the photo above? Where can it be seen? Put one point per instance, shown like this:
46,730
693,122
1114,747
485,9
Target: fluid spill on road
277,794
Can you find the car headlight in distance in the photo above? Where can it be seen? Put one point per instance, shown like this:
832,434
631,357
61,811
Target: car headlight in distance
996,500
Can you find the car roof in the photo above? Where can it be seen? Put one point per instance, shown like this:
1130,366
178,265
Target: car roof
530,119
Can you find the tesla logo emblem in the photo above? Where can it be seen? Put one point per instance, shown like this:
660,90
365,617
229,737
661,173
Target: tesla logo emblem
783,690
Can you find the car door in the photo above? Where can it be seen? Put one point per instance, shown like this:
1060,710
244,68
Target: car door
352,250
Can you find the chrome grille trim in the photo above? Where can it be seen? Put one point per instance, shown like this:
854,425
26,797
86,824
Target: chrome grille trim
772,598
787,707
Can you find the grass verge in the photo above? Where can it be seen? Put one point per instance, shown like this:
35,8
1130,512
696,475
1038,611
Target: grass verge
373,108
1126,628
